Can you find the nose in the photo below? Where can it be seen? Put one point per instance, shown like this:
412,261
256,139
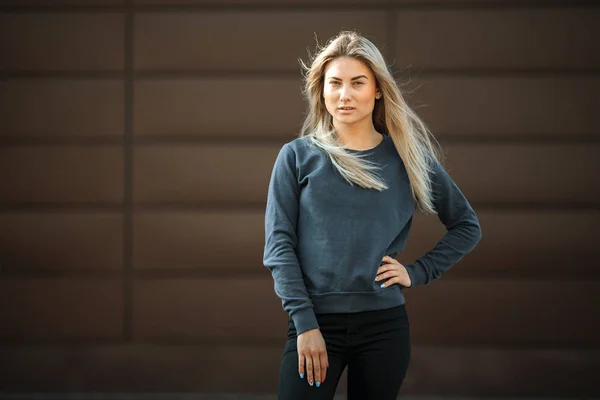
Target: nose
345,94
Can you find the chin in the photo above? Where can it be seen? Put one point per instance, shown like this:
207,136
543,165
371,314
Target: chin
349,120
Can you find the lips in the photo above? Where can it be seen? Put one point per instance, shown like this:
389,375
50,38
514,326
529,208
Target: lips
346,108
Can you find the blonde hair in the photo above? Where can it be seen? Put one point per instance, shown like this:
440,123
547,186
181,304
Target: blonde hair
392,116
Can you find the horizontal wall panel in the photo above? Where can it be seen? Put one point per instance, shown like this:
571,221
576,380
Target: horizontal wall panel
212,309
32,309
551,107
185,308
44,108
316,2
203,173
459,106
247,40
233,242
501,372
536,173
512,38
212,241
59,3
486,173
61,42
249,2
493,312
53,174
536,247
61,240
199,368
205,108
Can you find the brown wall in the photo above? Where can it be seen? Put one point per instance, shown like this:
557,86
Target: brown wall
136,146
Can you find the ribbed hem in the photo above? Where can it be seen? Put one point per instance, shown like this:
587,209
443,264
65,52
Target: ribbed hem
345,302
305,320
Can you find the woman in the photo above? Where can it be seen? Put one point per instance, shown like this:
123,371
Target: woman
340,206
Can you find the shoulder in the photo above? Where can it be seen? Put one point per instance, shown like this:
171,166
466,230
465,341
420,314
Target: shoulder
441,181
299,145
295,153
302,149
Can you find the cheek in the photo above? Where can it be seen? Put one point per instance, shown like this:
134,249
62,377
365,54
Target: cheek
329,97
367,103
367,97
328,93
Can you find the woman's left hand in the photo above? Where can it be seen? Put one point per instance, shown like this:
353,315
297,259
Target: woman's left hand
393,270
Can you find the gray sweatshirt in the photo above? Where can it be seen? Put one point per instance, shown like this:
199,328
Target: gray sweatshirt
325,238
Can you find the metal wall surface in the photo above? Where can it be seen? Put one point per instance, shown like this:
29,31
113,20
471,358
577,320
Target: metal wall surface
136,143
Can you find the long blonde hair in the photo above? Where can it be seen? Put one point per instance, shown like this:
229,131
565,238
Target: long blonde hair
392,116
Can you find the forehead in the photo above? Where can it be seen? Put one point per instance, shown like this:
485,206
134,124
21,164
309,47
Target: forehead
347,67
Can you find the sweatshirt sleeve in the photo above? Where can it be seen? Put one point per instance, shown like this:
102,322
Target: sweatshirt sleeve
281,218
463,230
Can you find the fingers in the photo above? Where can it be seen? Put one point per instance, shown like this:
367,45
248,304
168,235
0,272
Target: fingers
317,368
324,365
392,265
388,274
400,277
309,369
389,267
390,260
301,365
314,364
312,357
390,282
390,271
386,267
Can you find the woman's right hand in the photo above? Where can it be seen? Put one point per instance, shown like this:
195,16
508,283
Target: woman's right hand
312,356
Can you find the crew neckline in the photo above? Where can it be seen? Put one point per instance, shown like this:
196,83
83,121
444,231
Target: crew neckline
371,149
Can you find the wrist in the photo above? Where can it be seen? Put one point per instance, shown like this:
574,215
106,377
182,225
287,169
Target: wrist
405,277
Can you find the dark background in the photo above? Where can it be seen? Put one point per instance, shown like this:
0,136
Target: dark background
136,144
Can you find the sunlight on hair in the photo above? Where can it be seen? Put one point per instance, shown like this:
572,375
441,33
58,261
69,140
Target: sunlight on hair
392,116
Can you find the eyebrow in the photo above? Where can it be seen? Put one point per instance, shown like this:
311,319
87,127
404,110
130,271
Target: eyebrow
353,79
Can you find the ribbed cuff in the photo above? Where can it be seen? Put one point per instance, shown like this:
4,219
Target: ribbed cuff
417,274
305,320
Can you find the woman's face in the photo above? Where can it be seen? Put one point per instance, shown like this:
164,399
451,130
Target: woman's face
349,90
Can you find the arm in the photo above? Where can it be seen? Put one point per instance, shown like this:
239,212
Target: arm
281,219
463,230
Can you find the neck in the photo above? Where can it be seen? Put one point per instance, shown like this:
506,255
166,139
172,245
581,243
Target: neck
358,136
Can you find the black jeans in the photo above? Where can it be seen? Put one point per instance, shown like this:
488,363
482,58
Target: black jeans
375,345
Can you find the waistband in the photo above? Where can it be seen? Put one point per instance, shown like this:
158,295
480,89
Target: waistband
356,302
364,305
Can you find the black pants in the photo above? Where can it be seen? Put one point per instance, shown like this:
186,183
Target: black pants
375,345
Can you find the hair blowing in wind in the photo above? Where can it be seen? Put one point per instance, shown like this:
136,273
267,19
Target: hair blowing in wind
392,116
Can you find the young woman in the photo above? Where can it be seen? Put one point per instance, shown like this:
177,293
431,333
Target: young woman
340,205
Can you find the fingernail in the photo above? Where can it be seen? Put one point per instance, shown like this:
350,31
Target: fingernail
318,384
302,376
310,383
382,285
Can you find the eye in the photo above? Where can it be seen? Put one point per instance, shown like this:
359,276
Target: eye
333,82
359,83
